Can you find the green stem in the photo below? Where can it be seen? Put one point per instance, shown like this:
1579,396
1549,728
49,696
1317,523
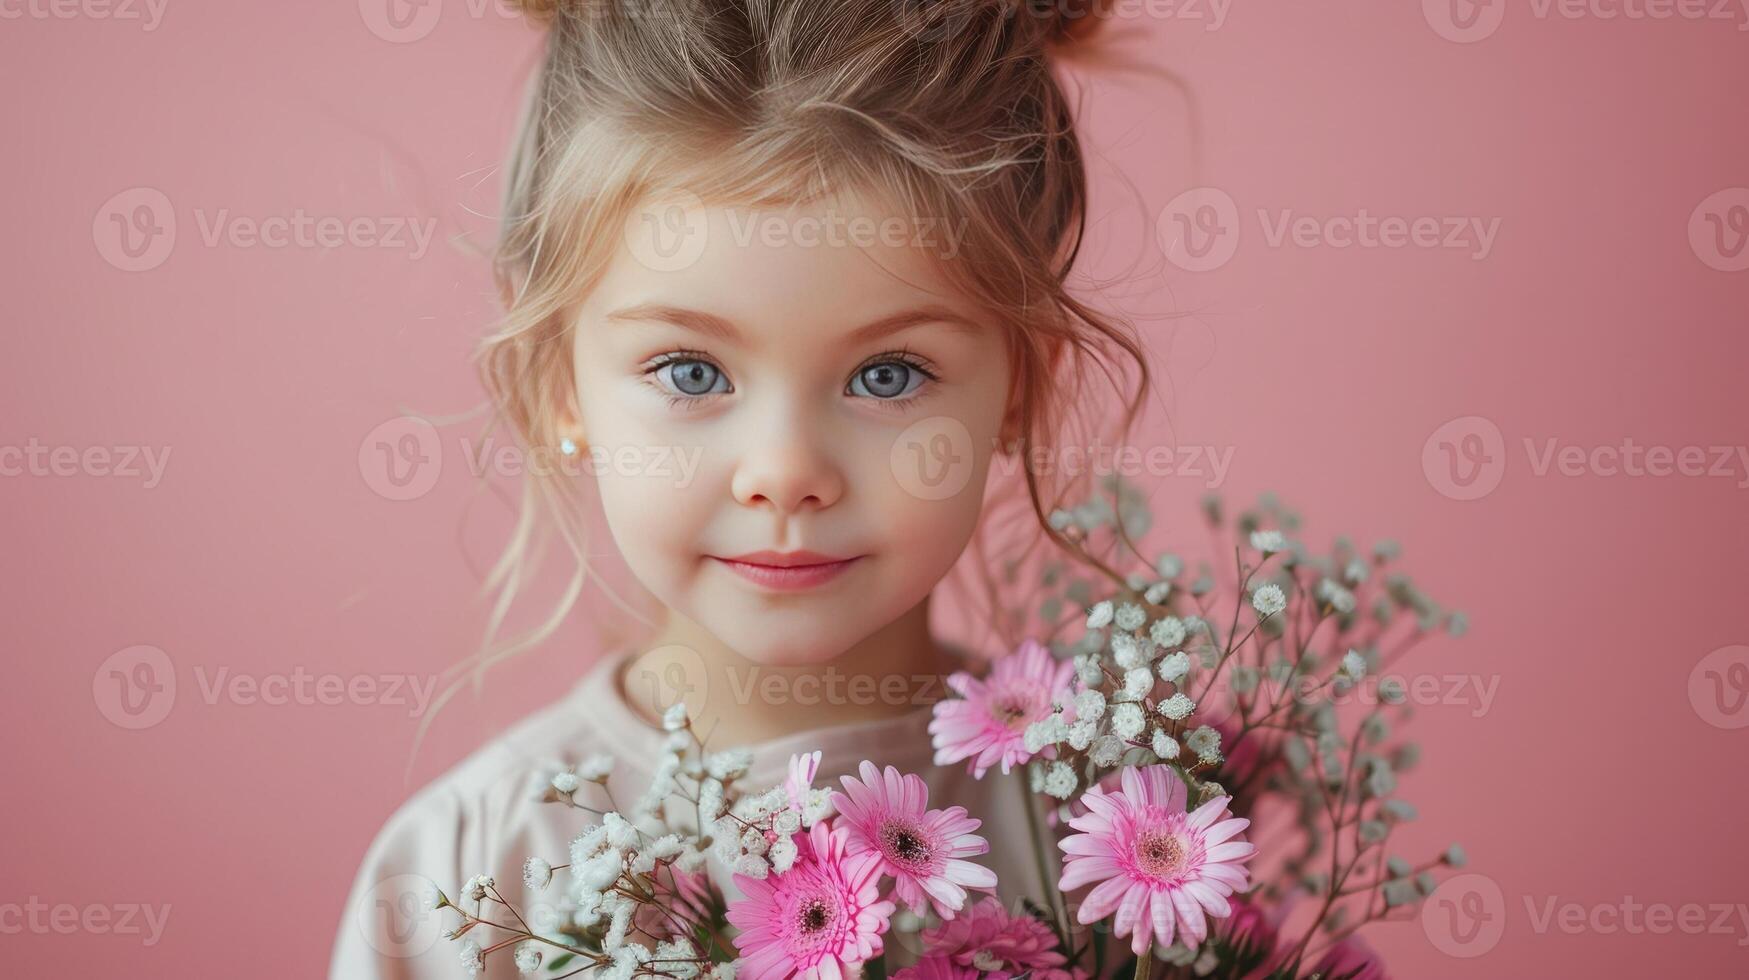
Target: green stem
1052,896
1144,963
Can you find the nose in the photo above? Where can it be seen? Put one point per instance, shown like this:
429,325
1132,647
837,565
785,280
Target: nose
786,470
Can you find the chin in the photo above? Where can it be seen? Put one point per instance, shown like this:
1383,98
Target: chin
776,645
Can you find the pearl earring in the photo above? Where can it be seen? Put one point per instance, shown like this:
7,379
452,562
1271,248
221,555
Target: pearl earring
567,447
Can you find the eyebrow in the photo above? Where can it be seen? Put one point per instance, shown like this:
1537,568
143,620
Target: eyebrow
712,325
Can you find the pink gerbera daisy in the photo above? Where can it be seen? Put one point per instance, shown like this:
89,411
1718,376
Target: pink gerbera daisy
987,722
815,920
1161,869
987,940
885,813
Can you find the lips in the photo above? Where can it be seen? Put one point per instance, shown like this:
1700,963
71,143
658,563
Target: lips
787,570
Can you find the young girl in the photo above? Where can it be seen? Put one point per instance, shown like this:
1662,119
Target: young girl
789,275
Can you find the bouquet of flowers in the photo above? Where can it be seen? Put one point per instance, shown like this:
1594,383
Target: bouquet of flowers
1215,761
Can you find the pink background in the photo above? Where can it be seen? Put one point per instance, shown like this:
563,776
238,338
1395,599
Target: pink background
265,549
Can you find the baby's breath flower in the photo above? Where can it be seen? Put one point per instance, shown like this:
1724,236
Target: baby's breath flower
1168,632
1100,615
1090,705
783,854
1268,542
1169,566
1081,734
729,765
1178,707
472,960
1165,746
1107,749
1339,598
1137,683
595,768
475,889
1087,669
1455,856
1174,667
1355,571
528,957
1060,780
1399,892
1205,742
565,781
537,874
1127,720
1130,616
753,866
1129,652
1157,592
1457,624
1268,599
674,719
1353,665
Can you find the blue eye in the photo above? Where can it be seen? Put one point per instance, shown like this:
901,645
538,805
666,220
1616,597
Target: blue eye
691,377
887,380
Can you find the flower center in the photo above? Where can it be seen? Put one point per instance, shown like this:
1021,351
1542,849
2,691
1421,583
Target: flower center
904,844
1160,853
813,916
1014,708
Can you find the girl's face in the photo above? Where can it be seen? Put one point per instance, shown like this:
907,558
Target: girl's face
787,388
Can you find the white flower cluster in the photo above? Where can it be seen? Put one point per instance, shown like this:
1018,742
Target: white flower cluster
753,836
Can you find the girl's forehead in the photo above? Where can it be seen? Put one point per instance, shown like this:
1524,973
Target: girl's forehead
836,264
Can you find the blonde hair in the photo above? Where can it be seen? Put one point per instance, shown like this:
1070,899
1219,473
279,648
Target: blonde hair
948,107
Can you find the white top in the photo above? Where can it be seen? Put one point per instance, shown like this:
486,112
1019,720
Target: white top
484,817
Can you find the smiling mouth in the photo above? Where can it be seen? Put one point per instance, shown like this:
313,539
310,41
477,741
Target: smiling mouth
787,573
